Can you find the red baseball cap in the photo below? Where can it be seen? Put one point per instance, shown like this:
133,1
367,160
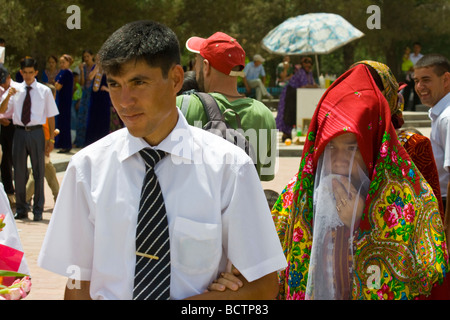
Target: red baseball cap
222,51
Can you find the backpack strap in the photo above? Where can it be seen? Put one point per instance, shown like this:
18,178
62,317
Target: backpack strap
210,106
238,118
185,104
213,111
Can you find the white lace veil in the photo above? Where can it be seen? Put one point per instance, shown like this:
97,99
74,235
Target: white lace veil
330,270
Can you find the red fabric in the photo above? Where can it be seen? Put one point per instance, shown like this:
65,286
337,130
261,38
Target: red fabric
10,260
355,99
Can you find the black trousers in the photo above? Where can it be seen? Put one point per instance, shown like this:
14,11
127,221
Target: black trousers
29,143
6,167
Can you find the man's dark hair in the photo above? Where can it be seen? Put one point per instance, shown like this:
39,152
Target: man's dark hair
146,40
28,63
2,41
438,62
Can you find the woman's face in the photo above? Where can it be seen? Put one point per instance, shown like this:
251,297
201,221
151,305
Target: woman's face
63,63
88,58
307,64
51,63
343,149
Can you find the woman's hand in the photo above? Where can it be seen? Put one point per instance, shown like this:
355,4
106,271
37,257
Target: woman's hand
347,199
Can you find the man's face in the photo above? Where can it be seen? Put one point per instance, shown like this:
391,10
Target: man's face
28,74
430,87
7,83
145,100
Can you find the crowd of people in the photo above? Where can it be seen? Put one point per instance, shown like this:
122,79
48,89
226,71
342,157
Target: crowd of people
168,210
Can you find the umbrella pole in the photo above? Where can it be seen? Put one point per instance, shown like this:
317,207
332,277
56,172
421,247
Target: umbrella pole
317,66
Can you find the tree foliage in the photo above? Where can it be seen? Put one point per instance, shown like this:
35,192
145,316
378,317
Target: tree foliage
38,28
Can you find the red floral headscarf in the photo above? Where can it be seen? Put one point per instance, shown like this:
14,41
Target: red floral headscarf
400,232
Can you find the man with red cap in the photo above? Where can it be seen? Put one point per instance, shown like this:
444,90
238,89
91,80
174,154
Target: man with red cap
219,62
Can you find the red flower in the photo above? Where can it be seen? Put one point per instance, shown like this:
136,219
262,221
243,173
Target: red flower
391,215
287,199
308,165
409,212
385,293
384,149
298,234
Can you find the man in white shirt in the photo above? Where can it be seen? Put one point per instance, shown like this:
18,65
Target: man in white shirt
29,137
216,210
6,137
432,84
414,57
255,77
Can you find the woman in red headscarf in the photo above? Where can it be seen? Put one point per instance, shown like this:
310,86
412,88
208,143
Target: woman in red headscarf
358,221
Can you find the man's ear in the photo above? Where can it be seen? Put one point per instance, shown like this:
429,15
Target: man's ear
206,67
447,81
177,76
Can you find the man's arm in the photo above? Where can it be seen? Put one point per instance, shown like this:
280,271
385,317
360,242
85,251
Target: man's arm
265,288
247,87
4,105
81,293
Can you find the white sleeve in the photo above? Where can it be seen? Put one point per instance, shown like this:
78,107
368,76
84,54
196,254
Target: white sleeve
68,244
51,107
444,132
250,239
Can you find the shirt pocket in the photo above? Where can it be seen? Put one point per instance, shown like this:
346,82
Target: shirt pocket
196,246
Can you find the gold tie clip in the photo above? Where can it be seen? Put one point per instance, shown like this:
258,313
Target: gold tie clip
147,255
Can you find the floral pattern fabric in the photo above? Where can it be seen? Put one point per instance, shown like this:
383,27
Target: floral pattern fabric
401,233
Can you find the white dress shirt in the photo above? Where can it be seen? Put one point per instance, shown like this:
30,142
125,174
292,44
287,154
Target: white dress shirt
43,104
216,209
414,58
9,112
440,140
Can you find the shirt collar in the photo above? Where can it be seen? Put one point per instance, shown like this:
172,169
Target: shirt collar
24,84
178,143
439,107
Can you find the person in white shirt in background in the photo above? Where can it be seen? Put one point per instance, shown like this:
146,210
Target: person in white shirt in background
255,77
432,84
216,209
29,137
414,56
2,51
6,137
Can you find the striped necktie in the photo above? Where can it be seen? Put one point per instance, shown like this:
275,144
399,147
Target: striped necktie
152,273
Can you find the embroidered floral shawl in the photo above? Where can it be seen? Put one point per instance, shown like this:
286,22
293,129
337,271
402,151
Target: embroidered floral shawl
400,241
